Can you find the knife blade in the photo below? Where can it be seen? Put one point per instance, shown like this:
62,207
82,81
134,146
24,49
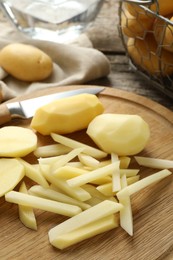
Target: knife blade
26,108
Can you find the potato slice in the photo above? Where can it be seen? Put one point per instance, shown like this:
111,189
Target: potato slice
17,141
11,173
26,214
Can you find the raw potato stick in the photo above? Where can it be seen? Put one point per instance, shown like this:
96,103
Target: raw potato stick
86,217
77,193
65,159
137,186
48,193
41,203
154,162
88,231
51,150
126,217
34,173
96,153
93,175
26,214
116,185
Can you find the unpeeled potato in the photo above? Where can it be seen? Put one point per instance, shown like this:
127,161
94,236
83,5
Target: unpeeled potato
164,7
135,26
25,62
146,54
163,33
121,134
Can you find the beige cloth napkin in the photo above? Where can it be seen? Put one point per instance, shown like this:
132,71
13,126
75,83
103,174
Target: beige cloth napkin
74,63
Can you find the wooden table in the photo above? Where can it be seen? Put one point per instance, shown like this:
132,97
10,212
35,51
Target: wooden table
105,37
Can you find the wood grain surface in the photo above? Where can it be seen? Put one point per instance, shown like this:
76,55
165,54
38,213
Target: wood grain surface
152,207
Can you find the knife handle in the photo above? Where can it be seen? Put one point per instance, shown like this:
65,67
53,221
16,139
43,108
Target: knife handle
5,115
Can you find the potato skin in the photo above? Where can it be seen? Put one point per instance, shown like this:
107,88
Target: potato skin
25,62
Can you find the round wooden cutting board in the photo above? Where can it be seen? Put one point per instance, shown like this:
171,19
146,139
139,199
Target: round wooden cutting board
152,207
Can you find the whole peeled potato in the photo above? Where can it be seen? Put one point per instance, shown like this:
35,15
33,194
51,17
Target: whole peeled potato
121,134
25,62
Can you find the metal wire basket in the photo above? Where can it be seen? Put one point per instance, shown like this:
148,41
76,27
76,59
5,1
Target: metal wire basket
146,30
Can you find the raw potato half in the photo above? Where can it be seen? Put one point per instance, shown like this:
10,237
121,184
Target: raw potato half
25,62
17,141
119,133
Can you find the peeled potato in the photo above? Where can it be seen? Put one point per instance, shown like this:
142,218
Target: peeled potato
145,54
17,141
25,62
119,133
11,173
67,115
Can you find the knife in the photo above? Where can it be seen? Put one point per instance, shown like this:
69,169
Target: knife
26,108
